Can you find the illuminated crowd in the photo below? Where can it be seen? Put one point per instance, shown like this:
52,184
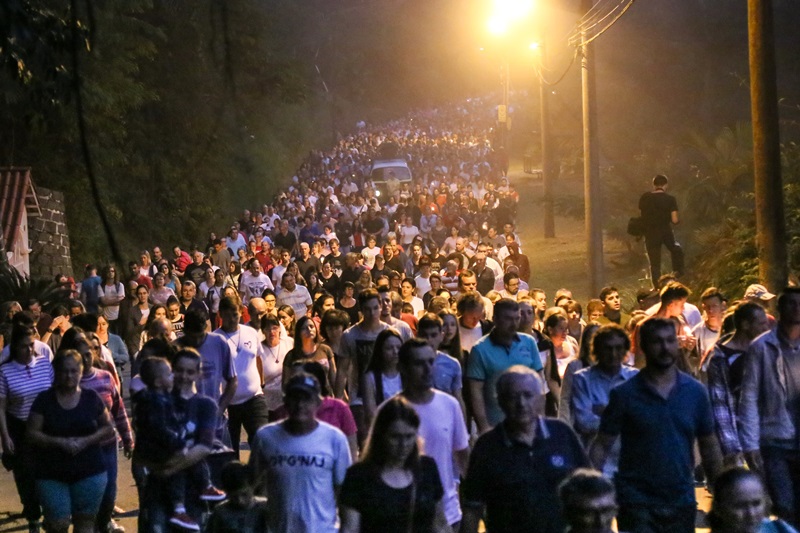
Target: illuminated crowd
383,352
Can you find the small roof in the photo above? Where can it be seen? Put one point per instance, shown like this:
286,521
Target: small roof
16,192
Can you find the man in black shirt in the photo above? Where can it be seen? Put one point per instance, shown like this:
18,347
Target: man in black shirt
659,212
285,239
307,263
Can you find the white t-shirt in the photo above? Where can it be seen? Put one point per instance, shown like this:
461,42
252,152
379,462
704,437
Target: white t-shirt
111,312
252,286
245,347
444,432
407,234
423,285
417,304
391,385
302,475
277,274
272,359
470,337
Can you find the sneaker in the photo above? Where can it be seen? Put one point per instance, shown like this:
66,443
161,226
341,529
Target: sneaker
114,527
185,521
212,494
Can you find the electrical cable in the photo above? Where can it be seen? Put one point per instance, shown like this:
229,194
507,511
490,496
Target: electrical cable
601,32
563,75
579,35
595,11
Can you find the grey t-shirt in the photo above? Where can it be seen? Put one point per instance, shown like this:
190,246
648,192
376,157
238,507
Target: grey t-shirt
357,345
302,475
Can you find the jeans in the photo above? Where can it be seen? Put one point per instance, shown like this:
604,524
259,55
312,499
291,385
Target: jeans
110,494
63,500
198,475
656,519
653,243
156,507
22,465
782,473
252,414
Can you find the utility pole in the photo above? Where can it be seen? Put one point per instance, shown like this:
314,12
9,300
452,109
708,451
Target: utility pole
770,219
547,153
505,118
591,163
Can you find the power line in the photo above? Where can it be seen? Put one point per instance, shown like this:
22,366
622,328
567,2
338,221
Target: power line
542,79
580,35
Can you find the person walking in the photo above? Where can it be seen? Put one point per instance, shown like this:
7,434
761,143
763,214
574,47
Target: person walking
659,212
658,414
393,488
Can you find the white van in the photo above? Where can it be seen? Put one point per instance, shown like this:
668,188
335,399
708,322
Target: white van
389,174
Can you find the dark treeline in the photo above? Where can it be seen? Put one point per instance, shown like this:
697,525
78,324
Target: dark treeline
198,109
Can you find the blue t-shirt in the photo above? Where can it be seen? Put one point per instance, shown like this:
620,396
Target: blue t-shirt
656,462
488,360
447,373
90,287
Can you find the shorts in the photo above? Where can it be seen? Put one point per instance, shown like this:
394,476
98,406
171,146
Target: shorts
60,500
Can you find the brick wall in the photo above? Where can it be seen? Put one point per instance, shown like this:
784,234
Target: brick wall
49,237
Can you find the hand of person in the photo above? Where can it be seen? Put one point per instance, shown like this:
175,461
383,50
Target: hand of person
8,446
755,462
58,322
71,445
128,450
143,321
733,460
689,342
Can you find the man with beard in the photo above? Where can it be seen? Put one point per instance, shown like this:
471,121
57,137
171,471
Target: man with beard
658,415
612,307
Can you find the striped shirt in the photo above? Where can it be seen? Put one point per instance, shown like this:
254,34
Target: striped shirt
20,384
105,386
299,299
39,348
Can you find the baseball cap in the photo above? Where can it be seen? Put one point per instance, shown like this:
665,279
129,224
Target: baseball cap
303,383
757,291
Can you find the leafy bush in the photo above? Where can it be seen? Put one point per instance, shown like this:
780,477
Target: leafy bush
16,286
727,254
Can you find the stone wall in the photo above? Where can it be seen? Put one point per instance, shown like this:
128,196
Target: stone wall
49,237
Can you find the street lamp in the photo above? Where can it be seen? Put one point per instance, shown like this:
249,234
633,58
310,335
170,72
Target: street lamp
504,16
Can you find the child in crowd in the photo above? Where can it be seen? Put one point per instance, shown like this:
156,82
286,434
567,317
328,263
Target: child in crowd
243,512
161,439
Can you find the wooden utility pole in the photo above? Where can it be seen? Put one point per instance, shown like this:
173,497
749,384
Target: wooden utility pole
591,164
547,151
770,220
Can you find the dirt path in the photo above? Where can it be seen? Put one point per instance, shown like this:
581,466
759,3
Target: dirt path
562,261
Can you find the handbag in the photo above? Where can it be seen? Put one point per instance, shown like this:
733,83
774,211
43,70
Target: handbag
635,227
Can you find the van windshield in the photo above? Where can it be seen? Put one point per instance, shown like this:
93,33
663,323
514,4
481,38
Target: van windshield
382,174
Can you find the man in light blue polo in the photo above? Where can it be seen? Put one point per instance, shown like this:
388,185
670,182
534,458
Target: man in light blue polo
501,349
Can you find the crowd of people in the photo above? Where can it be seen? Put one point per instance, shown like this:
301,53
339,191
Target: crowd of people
392,366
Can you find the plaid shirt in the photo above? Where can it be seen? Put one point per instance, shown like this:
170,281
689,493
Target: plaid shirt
723,402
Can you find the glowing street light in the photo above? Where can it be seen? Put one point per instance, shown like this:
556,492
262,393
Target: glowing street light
507,12
497,25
